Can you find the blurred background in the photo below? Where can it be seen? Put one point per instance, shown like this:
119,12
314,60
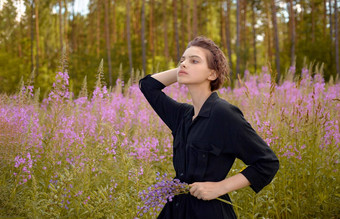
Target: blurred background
131,36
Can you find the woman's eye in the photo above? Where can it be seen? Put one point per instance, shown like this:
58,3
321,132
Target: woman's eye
194,61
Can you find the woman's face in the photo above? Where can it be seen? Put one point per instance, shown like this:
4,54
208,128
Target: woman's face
193,67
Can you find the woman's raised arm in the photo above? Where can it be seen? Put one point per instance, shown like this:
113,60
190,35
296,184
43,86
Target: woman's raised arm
166,77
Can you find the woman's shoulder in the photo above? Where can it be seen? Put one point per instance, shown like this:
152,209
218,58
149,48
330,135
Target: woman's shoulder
227,116
223,108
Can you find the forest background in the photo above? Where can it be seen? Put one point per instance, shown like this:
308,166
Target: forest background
150,35
92,154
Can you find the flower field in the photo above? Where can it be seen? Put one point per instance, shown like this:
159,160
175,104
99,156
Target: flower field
92,156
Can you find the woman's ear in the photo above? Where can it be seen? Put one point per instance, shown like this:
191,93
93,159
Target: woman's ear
213,75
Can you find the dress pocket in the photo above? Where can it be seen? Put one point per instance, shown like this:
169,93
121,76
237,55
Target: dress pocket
199,157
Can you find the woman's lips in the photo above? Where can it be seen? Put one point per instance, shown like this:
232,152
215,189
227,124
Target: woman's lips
181,72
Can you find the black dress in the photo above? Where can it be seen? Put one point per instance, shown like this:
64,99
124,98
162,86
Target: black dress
205,149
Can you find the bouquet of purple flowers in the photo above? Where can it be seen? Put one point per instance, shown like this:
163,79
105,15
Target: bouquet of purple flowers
157,195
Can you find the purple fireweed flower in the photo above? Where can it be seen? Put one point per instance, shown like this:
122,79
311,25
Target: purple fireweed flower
292,69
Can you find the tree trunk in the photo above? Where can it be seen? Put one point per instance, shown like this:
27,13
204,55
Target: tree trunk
61,28
292,32
73,31
268,33
36,4
143,37
98,29
114,26
189,20
128,35
32,37
223,25
244,36
165,31
336,37
65,24
151,28
313,21
175,23
330,20
237,38
135,17
276,39
324,18
253,21
183,34
107,37
228,36
194,18
20,36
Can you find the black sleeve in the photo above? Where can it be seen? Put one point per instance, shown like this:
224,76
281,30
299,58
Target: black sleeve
254,152
169,110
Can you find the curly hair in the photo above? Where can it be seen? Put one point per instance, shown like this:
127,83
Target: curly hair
216,60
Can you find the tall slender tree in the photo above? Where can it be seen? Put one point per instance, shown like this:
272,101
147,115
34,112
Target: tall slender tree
244,35
324,19
195,18
61,34
151,29
114,25
182,26
223,25
32,36
175,25
107,39
238,37
143,36
98,28
73,27
128,35
188,13
292,32
165,30
20,33
228,38
336,37
65,24
253,22
313,20
268,31
276,39
330,19
36,7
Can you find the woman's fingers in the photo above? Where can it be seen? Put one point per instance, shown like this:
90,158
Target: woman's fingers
204,190
196,190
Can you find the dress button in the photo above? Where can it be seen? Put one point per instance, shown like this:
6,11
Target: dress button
203,155
181,174
177,204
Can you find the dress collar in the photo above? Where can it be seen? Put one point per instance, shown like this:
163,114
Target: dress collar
206,107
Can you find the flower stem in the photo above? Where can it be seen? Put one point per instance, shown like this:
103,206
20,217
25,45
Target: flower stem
228,202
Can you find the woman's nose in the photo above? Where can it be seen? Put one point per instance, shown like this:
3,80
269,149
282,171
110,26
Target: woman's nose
182,64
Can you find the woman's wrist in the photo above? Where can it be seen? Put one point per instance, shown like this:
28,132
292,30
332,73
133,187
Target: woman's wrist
233,183
223,187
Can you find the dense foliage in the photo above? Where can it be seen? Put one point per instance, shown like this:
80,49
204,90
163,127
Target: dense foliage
91,156
157,35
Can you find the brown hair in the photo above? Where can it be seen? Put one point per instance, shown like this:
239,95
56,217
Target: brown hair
216,60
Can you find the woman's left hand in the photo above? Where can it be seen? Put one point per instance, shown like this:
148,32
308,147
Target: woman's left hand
206,190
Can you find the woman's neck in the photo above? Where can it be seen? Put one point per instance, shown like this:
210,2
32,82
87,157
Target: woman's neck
198,95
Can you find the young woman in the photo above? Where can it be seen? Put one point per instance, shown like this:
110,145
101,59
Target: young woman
208,135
